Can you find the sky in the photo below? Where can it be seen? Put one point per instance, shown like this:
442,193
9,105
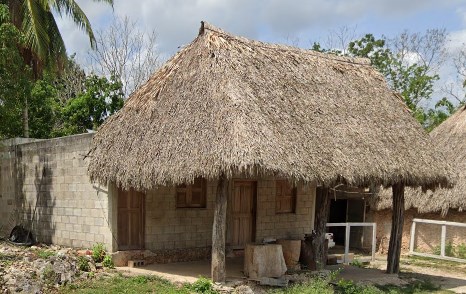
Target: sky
297,22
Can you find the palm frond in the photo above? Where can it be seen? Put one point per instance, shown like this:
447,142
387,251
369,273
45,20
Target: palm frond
34,26
71,8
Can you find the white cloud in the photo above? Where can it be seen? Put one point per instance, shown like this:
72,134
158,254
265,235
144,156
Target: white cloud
177,21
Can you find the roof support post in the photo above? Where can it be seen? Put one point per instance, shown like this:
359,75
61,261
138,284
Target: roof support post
396,234
219,231
319,245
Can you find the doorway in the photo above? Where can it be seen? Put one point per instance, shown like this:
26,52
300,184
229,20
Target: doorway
130,220
243,213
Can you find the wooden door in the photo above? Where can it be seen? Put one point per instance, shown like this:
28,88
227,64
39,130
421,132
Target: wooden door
243,213
130,220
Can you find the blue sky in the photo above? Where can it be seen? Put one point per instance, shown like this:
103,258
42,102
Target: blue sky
297,22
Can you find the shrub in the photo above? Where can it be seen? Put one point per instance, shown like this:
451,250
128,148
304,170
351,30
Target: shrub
83,264
203,285
108,262
98,252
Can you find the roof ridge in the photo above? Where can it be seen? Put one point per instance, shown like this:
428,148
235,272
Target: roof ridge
283,47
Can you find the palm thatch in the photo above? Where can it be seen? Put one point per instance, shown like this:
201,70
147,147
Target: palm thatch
226,104
450,139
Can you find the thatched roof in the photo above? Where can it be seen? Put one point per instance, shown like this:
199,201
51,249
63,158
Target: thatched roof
226,104
450,139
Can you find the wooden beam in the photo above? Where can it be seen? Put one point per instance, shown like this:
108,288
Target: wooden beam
394,247
219,231
322,208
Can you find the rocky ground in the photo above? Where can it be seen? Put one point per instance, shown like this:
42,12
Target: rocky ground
42,268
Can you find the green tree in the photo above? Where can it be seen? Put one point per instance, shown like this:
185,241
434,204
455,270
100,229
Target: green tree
16,77
88,110
414,81
43,44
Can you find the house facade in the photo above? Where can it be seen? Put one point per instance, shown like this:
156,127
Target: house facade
45,187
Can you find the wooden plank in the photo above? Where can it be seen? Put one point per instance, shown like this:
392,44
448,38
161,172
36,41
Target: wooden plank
218,270
437,256
412,237
442,240
428,221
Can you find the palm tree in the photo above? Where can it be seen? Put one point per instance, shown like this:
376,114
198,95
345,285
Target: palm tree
44,44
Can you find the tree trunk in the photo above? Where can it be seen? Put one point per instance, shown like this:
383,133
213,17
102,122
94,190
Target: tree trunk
320,227
219,231
25,118
394,247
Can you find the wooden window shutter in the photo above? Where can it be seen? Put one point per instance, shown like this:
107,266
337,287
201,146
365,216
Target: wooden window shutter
192,195
285,197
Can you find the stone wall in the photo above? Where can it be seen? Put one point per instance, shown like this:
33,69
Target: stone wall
170,228
427,237
44,186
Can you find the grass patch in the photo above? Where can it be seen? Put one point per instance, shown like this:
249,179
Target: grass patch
314,286
7,259
418,287
120,284
45,254
421,261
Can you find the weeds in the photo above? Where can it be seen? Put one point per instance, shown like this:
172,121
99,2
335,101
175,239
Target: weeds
45,254
98,252
108,262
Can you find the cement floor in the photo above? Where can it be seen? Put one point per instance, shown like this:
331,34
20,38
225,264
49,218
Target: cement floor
188,272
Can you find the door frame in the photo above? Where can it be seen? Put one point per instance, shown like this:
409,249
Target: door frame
143,220
229,233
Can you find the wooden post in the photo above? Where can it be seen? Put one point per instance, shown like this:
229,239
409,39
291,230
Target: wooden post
394,247
320,226
219,231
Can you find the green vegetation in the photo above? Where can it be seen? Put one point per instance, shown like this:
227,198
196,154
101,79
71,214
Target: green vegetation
83,264
314,286
44,254
119,284
452,250
98,252
6,259
108,262
413,79
202,285
434,263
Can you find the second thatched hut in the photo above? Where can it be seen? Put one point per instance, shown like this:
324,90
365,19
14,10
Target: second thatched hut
449,138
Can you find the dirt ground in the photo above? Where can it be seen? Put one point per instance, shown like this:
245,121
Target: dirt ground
449,275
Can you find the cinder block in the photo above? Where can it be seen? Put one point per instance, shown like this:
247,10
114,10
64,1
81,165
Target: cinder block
135,263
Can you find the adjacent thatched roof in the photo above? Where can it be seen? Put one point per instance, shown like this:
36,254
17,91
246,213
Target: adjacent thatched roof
226,104
450,139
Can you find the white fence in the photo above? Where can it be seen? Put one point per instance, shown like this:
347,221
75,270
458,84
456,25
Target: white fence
347,236
443,236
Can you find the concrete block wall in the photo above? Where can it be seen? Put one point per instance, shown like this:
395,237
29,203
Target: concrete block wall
284,225
52,192
168,227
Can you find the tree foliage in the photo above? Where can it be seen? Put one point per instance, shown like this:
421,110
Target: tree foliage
16,78
88,110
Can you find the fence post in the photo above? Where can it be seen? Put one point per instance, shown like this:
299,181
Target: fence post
442,240
413,234
347,237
